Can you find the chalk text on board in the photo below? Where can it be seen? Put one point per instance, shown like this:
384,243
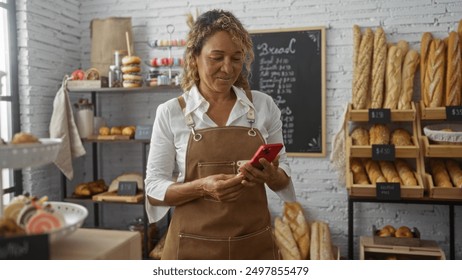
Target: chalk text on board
266,50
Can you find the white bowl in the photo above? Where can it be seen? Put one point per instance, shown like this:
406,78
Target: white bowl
74,215
438,133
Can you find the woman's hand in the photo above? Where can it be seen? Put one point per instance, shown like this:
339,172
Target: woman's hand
271,174
223,187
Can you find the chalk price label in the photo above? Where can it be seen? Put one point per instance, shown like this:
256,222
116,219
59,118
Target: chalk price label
127,188
454,113
383,152
379,116
388,191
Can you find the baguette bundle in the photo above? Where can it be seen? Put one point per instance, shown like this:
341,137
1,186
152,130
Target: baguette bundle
385,171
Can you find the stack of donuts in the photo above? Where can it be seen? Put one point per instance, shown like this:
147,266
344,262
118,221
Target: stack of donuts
131,70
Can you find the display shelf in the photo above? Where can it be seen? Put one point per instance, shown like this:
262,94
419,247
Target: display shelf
400,151
438,113
362,115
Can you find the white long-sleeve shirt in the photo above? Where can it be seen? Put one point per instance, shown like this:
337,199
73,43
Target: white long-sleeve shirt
170,137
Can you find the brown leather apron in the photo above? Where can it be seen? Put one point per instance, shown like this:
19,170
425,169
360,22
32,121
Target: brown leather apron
209,229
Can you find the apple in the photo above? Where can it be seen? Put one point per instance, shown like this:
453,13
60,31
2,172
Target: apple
78,74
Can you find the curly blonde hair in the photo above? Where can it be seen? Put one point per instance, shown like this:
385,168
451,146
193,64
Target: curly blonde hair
205,26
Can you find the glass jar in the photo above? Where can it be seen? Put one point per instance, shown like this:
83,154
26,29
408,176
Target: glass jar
84,118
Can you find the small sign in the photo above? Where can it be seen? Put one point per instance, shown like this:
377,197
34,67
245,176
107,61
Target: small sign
382,116
143,132
127,188
388,191
383,152
454,113
27,247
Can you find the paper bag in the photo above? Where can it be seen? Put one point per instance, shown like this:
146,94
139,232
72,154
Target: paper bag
108,35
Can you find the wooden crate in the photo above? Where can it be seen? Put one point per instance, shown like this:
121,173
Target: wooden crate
83,84
440,150
370,190
362,115
441,192
429,250
438,113
400,151
414,241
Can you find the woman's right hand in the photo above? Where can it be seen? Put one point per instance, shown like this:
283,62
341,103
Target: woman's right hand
223,187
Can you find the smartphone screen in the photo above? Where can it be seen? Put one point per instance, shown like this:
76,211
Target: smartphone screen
267,151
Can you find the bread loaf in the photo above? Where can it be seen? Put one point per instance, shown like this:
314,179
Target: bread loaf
434,76
455,172
294,217
359,173
315,241
362,71
379,134
373,171
285,240
393,77
325,250
405,173
360,136
356,44
453,71
404,46
440,175
401,137
424,52
379,60
410,63
389,171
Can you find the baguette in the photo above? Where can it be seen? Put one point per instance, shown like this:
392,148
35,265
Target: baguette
389,171
362,71
455,172
356,44
434,76
315,241
410,64
393,77
424,51
285,240
373,171
404,46
405,172
325,246
359,173
379,60
294,217
440,175
453,71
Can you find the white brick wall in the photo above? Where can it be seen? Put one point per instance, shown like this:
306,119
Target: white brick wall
54,39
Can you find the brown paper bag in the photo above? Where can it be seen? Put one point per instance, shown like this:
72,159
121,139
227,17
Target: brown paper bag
108,35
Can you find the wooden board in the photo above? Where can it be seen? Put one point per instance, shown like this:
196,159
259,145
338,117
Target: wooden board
428,250
112,196
362,115
108,137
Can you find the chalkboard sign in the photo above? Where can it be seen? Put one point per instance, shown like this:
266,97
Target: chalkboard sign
290,66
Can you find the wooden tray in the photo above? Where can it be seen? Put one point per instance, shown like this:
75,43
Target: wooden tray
441,192
113,197
108,137
397,241
438,113
428,250
362,115
400,151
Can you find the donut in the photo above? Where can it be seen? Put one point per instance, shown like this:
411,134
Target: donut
127,60
132,77
130,69
403,232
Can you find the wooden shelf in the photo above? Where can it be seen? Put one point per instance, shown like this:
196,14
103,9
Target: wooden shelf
155,89
362,115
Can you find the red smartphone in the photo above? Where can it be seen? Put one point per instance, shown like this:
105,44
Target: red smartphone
267,151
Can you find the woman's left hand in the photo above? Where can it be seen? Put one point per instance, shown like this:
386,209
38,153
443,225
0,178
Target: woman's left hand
270,174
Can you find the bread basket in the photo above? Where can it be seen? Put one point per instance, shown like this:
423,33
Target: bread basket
447,133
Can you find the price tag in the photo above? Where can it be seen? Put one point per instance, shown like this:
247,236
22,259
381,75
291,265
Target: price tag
127,188
27,247
388,191
143,132
383,152
454,113
382,116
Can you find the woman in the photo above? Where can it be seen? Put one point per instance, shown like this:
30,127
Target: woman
221,209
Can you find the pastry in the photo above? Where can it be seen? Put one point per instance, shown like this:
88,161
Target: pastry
404,231
393,77
434,75
424,51
389,171
379,59
116,130
453,71
410,64
439,173
360,136
401,137
405,172
24,138
128,131
379,134
294,217
362,71
104,130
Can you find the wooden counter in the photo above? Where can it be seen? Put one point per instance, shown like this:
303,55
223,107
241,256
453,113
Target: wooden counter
98,244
